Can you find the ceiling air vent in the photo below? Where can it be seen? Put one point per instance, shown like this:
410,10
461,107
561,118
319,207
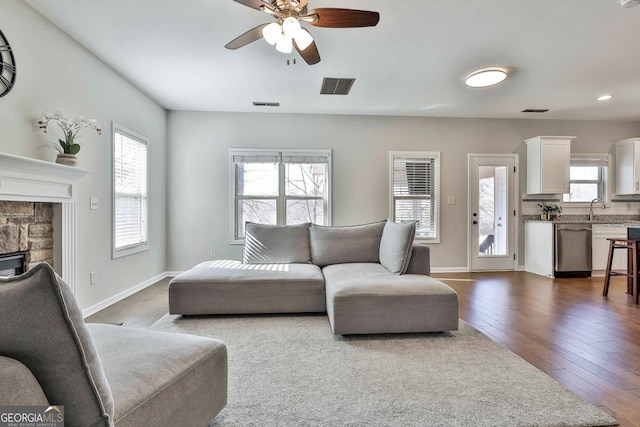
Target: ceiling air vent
335,86
535,110
266,104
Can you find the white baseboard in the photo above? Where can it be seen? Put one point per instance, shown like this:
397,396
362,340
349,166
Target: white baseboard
462,269
128,292
450,269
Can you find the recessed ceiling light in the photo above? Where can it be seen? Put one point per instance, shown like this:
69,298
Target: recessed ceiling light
605,97
486,77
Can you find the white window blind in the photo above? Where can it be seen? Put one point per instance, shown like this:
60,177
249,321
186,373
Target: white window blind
587,178
414,190
279,187
130,192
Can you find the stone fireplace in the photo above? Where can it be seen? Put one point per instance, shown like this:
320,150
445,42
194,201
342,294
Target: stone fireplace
27,227
38,212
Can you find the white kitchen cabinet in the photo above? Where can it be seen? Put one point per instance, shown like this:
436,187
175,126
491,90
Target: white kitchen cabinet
548,162
627,166
538,248
600,248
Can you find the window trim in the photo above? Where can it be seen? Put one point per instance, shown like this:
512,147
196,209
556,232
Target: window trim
138,247
605,177
282,198
436,187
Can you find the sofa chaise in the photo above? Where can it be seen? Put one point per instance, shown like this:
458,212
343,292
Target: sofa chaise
103,375
368,278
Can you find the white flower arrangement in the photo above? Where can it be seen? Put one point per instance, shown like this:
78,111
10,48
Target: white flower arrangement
70,128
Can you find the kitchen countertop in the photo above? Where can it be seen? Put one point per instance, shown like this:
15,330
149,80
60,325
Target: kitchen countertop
594,222
606,220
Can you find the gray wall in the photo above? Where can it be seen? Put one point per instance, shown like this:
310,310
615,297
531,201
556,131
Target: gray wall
189,171
198,169
56,73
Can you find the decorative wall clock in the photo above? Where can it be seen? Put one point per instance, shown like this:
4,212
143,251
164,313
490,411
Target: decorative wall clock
7,66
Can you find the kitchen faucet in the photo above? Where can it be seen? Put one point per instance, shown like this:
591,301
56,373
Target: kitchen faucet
597,199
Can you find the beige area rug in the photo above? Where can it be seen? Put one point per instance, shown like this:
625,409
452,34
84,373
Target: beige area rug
292,371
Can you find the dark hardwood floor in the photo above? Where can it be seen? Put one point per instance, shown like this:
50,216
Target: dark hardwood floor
564,327
139,310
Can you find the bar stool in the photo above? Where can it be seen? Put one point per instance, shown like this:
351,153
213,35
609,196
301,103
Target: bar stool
632,266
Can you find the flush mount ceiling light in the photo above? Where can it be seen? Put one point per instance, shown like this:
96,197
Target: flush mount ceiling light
486,77
605,97
629,3
287,33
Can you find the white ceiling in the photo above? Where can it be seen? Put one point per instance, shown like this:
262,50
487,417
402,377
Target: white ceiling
563,55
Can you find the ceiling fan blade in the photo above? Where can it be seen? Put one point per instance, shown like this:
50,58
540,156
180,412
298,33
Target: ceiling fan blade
344,18
255,4
246,38
310,54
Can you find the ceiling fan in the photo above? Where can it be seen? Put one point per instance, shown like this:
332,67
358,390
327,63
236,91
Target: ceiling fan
287,32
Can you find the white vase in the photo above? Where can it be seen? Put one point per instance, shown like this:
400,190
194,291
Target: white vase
67,159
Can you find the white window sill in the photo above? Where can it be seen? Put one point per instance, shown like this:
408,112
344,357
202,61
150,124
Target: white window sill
120,253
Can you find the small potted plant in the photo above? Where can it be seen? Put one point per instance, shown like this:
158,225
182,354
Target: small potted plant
545,209
554,212
549,212
69,147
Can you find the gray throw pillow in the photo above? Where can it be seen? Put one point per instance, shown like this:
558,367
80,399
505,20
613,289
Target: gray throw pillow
276,244
396,246
42,327
338,245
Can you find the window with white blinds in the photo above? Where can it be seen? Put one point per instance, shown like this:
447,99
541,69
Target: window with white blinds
414,189
587,178
279,187
130,192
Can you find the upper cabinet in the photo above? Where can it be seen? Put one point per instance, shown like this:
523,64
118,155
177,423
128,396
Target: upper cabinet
628,166
548,162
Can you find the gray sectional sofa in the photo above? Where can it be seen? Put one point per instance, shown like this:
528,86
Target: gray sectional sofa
103,375
368,278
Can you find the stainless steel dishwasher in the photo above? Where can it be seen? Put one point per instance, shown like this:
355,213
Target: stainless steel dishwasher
572,250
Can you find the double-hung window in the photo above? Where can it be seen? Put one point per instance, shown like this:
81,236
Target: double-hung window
587,178
282,187
130,191
414,190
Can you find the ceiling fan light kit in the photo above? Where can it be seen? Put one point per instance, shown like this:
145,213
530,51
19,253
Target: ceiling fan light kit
282,36
291,27
284,45
287,32
303,39
486,77
272,33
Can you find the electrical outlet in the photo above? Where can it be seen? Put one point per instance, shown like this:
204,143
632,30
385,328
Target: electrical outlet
94,277
213,254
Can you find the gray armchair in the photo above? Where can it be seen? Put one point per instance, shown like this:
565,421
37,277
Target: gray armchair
103,375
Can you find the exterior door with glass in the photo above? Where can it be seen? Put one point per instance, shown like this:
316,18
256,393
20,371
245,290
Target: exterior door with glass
492,196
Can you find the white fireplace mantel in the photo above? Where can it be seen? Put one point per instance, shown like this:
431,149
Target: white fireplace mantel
29,180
